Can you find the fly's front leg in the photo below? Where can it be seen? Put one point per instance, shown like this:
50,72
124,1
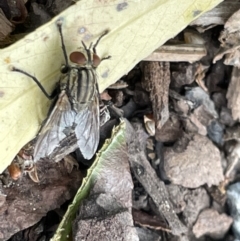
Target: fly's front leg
63,70
97,42
36,81
59,25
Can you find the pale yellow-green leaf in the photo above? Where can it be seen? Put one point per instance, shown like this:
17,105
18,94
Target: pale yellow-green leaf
136,27
111,147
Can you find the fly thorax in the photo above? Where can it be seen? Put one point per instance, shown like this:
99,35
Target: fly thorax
82,84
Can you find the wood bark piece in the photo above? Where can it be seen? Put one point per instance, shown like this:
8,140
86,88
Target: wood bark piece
27,202
178,53
156,80
149,179
233,94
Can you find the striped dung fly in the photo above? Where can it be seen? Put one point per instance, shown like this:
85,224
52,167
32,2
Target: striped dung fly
77,108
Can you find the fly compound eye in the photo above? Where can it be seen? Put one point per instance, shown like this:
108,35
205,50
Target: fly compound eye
96,61
78,58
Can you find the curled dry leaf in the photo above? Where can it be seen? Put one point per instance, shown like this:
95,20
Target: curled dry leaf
33,174
149,124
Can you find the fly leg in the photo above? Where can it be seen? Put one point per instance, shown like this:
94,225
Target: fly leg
59,25
63,70
36,81
96,44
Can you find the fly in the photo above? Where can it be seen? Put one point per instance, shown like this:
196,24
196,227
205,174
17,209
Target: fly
77,108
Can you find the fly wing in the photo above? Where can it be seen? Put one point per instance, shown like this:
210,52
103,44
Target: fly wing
59,125
87,129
